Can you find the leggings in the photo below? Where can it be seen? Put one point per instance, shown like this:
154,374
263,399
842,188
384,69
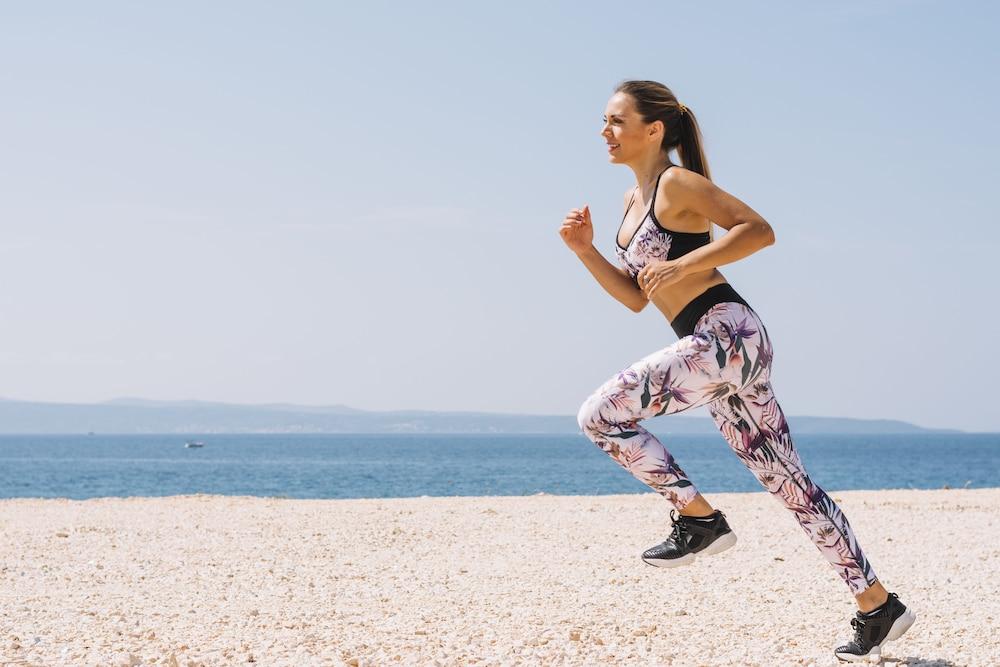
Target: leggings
725,364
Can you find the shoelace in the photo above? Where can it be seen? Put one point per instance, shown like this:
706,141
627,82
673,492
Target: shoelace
679,530
859,630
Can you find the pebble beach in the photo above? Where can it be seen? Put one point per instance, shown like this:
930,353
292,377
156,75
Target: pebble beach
507,580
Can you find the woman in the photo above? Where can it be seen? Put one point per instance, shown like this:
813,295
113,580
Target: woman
722,358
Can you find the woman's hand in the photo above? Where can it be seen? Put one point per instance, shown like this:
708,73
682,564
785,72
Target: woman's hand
658,275
576,230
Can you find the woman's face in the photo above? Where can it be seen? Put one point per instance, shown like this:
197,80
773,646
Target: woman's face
624,131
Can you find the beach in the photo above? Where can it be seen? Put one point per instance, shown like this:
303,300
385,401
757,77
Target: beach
505,580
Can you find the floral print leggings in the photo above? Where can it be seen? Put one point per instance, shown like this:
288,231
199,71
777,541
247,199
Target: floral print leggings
725,364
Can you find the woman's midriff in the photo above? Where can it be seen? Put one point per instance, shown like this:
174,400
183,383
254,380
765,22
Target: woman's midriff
671,301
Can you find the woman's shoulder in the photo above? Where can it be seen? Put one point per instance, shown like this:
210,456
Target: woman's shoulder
677,180
676,172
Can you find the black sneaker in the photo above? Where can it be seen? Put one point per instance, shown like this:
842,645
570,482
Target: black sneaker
872,630
690,536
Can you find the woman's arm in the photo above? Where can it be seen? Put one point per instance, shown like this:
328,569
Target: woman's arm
578,233
615,281
747,232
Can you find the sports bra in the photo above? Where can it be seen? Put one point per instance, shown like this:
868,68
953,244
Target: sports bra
652,241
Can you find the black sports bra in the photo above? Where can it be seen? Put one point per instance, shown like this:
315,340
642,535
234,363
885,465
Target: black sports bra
653,241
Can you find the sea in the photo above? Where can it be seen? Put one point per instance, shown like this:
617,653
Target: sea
408,465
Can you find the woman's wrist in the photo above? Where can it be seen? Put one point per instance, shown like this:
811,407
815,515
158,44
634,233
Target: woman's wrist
685,266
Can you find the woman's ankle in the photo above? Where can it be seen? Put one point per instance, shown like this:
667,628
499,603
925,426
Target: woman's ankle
698,508
872,597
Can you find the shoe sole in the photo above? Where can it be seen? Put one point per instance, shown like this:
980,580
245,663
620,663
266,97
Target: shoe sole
901,625
718,546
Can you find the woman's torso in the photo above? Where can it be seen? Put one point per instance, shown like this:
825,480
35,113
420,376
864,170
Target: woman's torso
649,231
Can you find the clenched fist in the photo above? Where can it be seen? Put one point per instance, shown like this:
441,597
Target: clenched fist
576,230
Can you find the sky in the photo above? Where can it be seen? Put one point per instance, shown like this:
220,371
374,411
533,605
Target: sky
358,203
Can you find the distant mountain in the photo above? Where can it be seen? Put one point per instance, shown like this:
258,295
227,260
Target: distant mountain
286,407
137,415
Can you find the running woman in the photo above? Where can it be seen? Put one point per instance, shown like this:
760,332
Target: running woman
667,255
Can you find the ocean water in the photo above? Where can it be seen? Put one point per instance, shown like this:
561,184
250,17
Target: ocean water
402,465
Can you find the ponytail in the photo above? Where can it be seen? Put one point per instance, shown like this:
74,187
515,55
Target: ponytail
689,144
689,148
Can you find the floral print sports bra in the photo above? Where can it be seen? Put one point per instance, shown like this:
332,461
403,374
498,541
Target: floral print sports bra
651,242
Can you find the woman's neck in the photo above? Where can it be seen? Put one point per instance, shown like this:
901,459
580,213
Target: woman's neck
646,172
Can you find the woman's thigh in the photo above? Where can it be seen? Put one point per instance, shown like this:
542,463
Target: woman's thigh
678,377
728,351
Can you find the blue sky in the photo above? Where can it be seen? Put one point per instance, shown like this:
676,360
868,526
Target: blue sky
359,203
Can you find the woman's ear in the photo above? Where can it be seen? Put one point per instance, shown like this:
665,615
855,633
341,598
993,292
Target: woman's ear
656,128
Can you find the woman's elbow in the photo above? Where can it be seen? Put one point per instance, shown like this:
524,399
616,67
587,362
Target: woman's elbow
767,232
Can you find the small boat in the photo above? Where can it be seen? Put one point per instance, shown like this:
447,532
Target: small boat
194,443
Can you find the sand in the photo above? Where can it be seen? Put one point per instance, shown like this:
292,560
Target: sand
554,580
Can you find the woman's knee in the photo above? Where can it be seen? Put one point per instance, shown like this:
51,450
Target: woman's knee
582,419
586,416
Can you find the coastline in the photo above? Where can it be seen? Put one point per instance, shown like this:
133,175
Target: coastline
458,580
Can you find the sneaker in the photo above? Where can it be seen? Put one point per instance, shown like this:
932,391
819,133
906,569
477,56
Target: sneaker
708,535
872,630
